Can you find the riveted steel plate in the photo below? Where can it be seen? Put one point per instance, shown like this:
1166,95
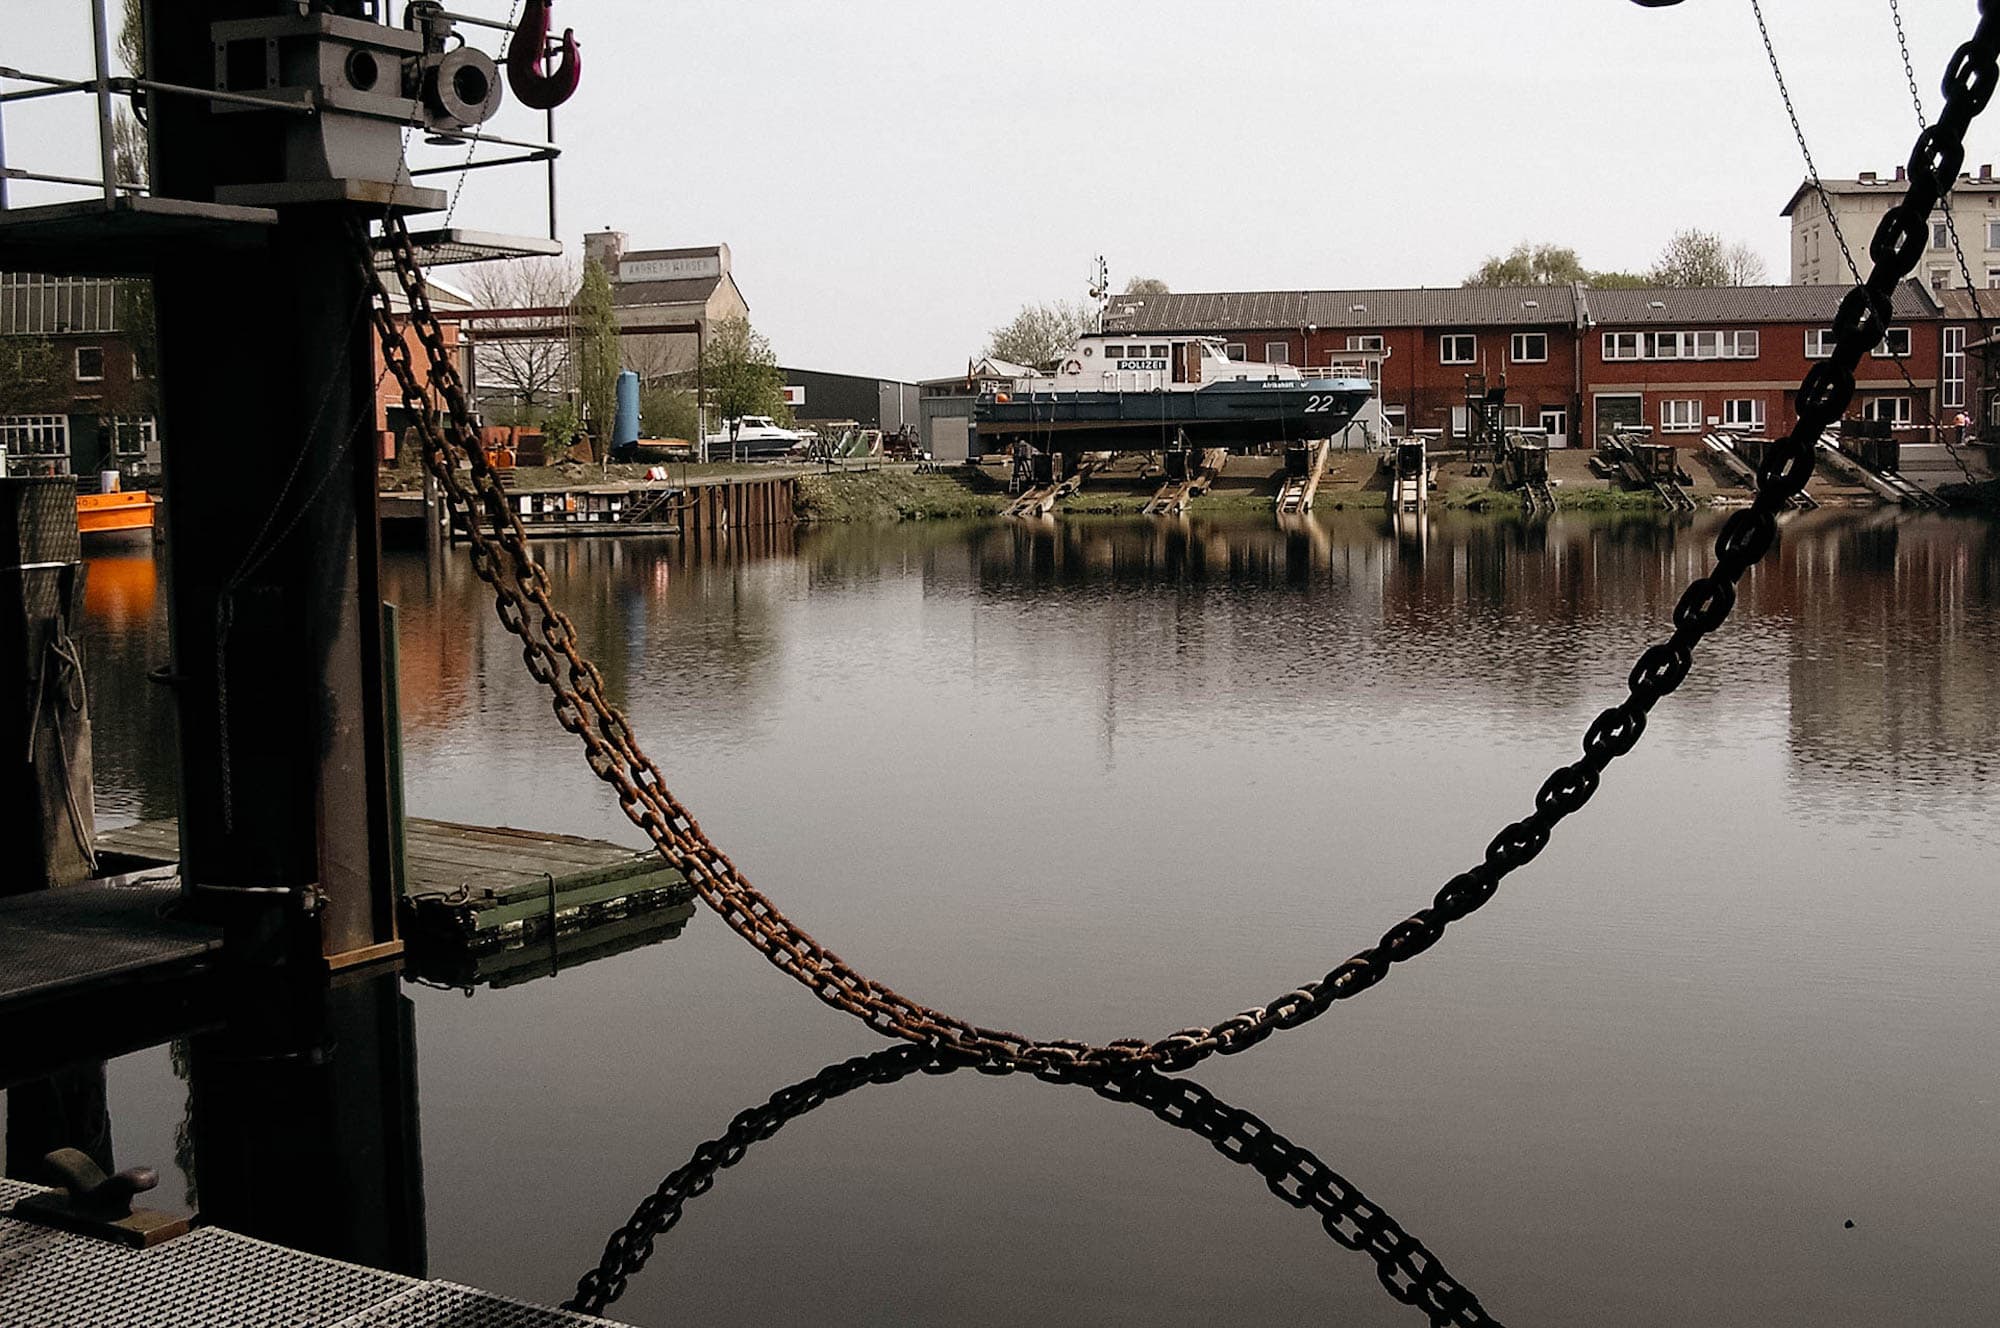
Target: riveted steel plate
448,1305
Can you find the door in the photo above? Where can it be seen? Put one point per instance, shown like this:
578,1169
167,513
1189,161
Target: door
1555,423
1619,411
1190,363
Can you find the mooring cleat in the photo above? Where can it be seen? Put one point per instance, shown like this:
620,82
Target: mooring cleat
91,1203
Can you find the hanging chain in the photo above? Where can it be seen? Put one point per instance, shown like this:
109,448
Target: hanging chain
553,656
1409,1271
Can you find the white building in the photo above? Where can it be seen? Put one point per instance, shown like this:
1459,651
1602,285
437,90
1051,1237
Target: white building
1858,206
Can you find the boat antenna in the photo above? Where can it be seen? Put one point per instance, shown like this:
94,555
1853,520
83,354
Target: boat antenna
1100,291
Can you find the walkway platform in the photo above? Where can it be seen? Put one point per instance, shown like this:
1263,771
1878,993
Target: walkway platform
56,1279
486,888
54,943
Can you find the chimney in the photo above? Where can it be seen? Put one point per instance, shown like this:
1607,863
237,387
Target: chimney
1868,177
1986,174
1902,174
607,247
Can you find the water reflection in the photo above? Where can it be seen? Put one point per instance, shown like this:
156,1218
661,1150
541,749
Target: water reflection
1405,1268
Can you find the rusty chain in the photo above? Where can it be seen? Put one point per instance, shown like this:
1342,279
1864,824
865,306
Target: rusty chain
550,648
1406,1269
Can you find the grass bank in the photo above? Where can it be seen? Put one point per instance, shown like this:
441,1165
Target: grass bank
898,495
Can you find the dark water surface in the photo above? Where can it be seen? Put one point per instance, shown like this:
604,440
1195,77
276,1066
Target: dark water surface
1103,779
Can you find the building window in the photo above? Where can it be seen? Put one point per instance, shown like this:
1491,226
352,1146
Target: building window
1745,346
1896,410
1993,278
90,364
1529,348
1458,348
1954,367
1681,416
1708,345
1895,344
1819,343
1277,352
1993,234
35,444
1617,411
1393,419
1744,413
1368,343
1663,345
1940,234
132,437
1621,345
1236,350
1940,280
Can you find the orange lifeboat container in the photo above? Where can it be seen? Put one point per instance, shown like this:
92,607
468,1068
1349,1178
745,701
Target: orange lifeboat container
115,518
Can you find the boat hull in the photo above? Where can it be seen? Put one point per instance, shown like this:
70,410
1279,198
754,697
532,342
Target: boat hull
115,519
1236,416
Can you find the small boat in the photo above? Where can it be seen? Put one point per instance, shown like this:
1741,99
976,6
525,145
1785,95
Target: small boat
120,517
1116,392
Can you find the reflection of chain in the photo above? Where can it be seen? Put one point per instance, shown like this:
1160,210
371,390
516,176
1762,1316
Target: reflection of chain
1410,1272
501,558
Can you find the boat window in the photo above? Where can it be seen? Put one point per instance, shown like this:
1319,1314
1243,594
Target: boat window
1114,352
1159,352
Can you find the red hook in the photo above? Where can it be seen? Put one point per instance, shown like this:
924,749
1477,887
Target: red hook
527,52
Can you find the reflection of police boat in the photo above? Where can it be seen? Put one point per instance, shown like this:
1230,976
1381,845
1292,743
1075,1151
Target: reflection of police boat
1117,393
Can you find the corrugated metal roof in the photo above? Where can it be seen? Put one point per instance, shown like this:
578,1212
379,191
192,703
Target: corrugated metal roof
1882,184
1687,305
1445,306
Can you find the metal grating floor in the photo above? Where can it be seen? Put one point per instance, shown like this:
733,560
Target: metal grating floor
448,1305
213,1278
51,940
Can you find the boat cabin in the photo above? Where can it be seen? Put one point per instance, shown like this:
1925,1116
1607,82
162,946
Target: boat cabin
1114,362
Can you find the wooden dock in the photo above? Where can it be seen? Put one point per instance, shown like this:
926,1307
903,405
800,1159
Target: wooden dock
702,508
486,888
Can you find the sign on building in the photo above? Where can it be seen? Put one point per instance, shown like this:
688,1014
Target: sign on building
670,269
795,396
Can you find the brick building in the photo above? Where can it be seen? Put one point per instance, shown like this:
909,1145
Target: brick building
1578,361
74,398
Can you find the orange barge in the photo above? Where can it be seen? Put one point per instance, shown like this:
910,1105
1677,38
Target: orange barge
118,517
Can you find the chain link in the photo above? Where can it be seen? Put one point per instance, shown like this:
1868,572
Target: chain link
552,654
1406,1269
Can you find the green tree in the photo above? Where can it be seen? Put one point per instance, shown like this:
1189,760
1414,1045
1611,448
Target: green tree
1146,286
31,375
1619,280
1041,334
739,372
668,412
1531,265
597,350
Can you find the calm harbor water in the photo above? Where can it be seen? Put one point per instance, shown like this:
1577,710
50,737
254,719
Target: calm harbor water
1108,778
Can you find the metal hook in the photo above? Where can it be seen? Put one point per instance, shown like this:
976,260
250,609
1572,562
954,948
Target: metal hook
527,54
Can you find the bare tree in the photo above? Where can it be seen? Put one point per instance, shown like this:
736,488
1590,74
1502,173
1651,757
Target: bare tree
1746,265
528,360
1041,334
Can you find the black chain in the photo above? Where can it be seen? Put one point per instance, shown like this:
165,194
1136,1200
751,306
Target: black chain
1406,1269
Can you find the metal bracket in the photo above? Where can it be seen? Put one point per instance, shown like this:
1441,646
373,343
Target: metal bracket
94,1204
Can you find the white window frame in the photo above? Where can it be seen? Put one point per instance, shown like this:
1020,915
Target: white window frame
133,437
1940,233
1235,350
1885,351
1447,340
1520,339
1671,407
1277,352
1560,414
1752,419
1615,344
1366,343
1940,280
1899,413
1655,346
1952,376
83,377
1992,233
1819,343
1743,337
35,444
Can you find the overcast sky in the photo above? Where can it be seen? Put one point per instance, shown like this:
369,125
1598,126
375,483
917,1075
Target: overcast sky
896,177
